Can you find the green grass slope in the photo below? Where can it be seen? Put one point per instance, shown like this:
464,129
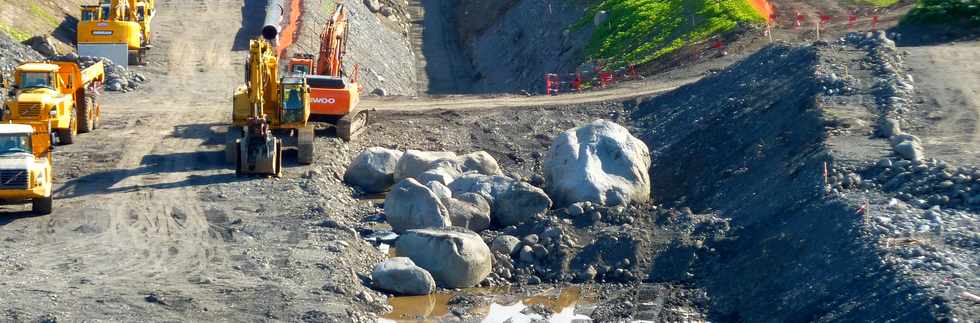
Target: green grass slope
638,31
947,12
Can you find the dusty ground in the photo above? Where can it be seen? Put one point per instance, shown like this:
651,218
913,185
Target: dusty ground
150,225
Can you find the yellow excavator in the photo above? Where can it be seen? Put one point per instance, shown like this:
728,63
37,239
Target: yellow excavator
115,29
269,114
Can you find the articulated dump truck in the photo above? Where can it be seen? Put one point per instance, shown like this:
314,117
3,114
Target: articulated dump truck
116,29
60,94
25,165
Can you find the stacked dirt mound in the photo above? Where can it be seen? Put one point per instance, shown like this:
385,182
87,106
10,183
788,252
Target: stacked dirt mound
751,143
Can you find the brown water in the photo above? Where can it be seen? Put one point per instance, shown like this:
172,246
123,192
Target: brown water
501,305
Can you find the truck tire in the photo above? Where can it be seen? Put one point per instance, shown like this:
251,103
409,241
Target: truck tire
86,115
42,206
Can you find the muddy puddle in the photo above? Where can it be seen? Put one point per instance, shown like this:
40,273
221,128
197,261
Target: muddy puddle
492,306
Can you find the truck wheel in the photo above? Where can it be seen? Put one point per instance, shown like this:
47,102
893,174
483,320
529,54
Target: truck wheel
42,206
86,117
65,137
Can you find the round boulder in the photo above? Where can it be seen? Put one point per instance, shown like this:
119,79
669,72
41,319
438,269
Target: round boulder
415,162
401,276
470,210
411,205
599,162
505,244
373,170
456,257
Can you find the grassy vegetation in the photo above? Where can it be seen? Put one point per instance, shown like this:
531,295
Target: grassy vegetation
44,15
877,3
14,33
951,12
638,31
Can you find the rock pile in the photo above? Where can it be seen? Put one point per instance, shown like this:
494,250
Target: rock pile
117,78
12,54
893,90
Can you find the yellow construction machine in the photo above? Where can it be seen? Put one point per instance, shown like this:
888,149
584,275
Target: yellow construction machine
115,29
58,93
269,114
25,165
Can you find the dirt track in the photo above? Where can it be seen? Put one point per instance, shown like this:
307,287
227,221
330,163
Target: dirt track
946,77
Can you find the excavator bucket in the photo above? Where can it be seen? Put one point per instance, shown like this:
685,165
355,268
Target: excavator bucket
258,152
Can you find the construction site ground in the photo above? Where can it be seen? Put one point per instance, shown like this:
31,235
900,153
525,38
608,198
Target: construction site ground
151,224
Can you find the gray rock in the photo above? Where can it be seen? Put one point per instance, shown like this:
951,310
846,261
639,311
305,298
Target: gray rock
415,162
505,244
480,162
440,190
511,202
373,170
444,173
587,274
599,162
530,240
401,276
469,210
889,127
456,257
910,150
373,5
44,45
411,205
381,91
527,254
575,209
540,252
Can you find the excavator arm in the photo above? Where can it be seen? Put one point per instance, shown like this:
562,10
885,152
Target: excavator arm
333,44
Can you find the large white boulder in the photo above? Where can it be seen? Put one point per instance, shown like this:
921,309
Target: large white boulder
373,169
456,257
599,162
511,202
411,205
401,276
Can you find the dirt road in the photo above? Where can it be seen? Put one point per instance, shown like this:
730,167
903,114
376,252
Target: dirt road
946,78
146,224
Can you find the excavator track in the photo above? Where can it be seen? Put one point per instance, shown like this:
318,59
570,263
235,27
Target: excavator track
352,124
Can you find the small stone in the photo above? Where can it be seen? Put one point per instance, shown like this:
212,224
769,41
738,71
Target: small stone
531,239
575,209
527,254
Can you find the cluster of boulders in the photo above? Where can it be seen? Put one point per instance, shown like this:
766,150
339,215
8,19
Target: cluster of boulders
438,202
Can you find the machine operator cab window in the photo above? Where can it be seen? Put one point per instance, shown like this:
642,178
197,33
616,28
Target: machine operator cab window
35,80
293,99
15,143
90,13
301,69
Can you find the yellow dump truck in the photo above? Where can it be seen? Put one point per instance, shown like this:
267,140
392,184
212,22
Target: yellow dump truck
25,165
58,92
116,29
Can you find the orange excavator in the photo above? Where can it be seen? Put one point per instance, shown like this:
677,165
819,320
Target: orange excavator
334,94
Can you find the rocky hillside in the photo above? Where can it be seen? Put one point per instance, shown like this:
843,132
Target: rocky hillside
24,19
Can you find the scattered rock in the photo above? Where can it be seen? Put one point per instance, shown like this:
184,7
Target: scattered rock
373,5
42,44
381,91
599,162
400,275
456,257
373,170
910,150
411,205
511,202
505,244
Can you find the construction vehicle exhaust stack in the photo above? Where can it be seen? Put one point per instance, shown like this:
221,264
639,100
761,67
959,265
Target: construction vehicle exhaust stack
334,94
117,30
269,115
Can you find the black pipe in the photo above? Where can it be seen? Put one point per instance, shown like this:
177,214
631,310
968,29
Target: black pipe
274,17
